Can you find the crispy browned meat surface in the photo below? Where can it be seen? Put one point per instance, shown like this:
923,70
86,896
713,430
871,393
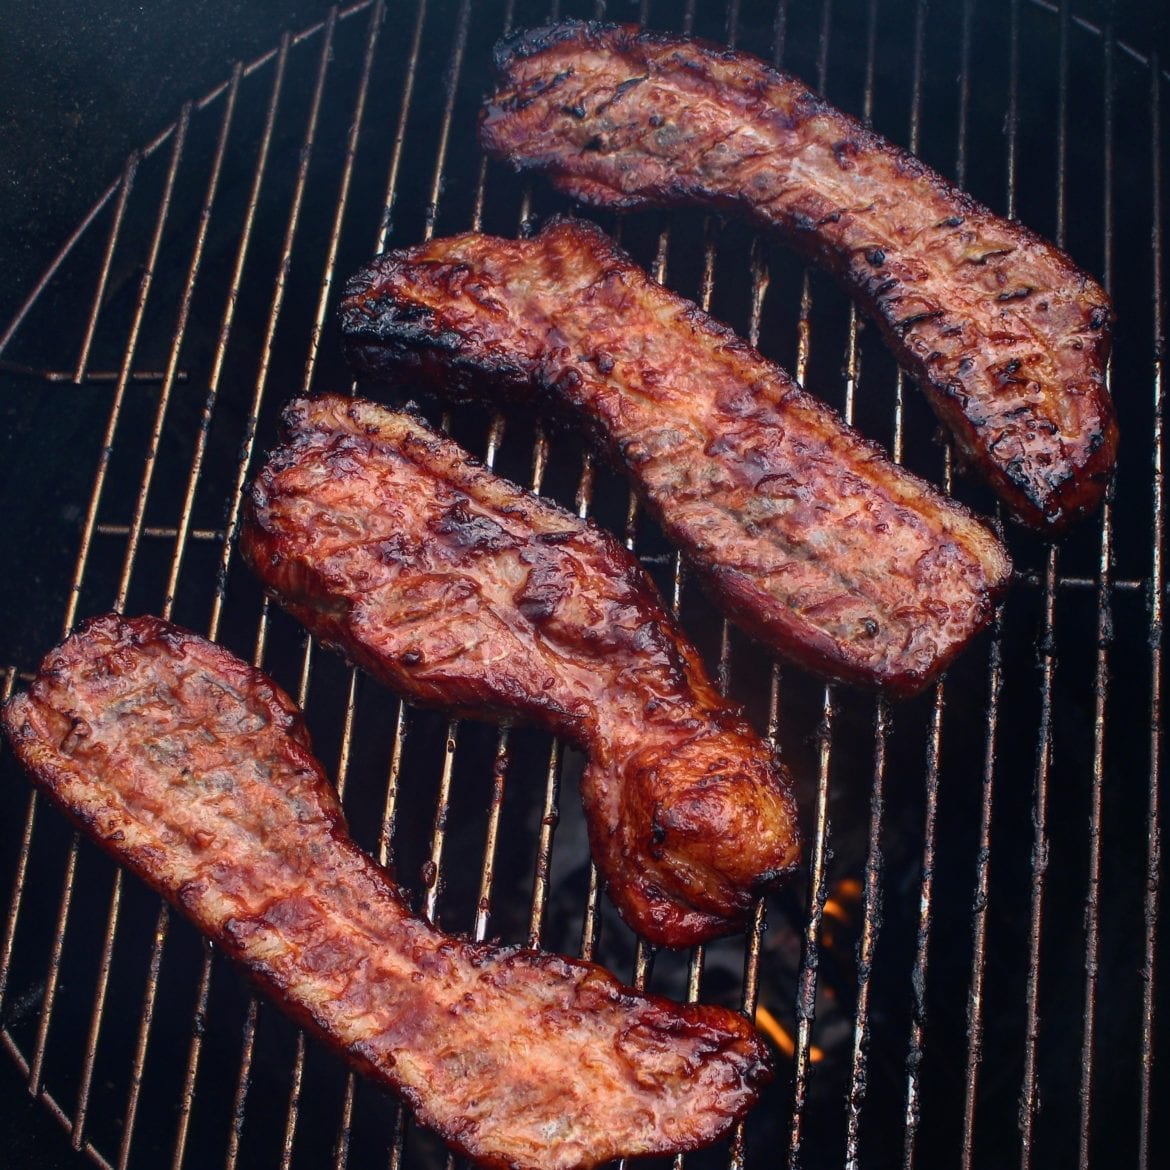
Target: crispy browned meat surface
806,533
194,770
1007,337
459,589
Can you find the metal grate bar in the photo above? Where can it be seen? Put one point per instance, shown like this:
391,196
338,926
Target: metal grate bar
453,70
994,688
162,924
432,869
243,1082
871,921
1101,674
918,975
136,524
982,891
872,889
187,1095
807,984
919,972
377,13
390,807
404,107
1029,1093
483,903
99,293
1157,580
99,1006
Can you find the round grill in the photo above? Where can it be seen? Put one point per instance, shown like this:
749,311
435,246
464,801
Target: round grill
965,971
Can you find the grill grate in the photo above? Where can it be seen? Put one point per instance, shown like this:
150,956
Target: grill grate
926,1000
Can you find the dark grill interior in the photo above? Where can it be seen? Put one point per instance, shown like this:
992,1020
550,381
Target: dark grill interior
966,971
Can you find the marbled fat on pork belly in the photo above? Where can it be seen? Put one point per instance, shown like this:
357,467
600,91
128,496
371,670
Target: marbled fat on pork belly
459,589
806,533
195,772
1006,336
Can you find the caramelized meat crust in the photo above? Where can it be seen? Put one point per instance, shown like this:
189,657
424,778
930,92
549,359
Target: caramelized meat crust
459,589
807,535
195,772
1006,336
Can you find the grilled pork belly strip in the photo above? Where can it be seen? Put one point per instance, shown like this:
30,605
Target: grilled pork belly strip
459,589
807,535
195,772
1006,336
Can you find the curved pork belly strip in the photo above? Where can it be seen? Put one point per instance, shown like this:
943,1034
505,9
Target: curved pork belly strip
461,590
806,534
1006,336
194,771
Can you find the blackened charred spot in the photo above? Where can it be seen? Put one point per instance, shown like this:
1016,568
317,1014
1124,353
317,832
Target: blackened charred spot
544,85
472,531
578,111
876,257
1015,294
953,221
411,658
984,257
908,323
627,85
544,589
655,120
594,144
1098,318
395,550
845,152
555,538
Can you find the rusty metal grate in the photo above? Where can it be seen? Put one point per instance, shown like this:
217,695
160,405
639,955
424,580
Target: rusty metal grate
967,971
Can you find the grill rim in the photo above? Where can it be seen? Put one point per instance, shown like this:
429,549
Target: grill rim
1104,584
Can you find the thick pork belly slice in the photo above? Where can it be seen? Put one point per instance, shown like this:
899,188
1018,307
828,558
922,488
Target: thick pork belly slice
194,771
807,535
1006,336
461,590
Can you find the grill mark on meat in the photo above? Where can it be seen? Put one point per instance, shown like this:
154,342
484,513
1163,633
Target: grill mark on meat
499,603
807,534
723,130
195,772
